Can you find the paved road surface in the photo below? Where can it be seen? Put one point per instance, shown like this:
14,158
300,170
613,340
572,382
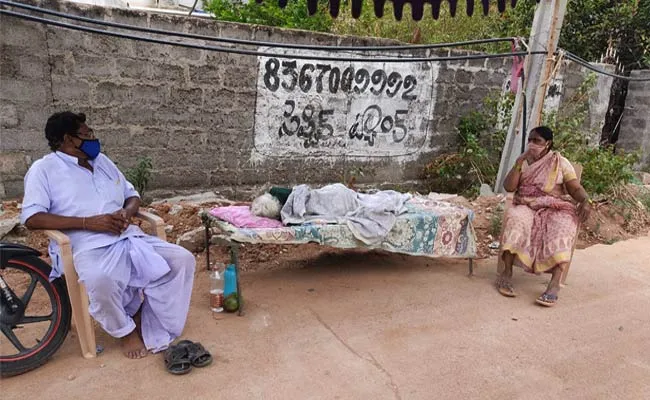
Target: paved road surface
379,326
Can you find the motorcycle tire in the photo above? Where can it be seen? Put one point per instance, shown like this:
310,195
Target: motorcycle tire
59,327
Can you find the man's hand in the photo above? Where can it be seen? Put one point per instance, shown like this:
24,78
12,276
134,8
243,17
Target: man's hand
114,223
584,210
124,218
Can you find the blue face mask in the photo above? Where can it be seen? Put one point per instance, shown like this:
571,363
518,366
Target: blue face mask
90,147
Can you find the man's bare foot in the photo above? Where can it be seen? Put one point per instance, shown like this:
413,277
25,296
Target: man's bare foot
132,346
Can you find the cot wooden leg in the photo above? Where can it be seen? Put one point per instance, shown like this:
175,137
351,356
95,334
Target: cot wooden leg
471,267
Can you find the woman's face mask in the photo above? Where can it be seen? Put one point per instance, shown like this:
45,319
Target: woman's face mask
536,150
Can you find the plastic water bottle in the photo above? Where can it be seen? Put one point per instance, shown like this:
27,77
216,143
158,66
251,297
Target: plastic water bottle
216,290
230,280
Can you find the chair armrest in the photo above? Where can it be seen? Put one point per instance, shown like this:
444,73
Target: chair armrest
151,218
59,237
157,223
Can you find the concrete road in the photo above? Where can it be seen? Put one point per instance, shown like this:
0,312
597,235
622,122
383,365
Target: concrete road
380,326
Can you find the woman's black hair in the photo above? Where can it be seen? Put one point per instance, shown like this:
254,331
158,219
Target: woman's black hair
546,133
61,123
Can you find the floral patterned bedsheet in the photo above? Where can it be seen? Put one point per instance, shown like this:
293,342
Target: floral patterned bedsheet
430,228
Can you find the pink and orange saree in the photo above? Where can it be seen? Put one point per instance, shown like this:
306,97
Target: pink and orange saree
540,228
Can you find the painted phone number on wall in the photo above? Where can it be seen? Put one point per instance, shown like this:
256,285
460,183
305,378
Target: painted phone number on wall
319,77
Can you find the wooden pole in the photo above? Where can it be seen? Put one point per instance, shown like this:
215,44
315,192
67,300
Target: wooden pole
536,114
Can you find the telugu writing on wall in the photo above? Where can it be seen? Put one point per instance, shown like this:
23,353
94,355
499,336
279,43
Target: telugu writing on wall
311,108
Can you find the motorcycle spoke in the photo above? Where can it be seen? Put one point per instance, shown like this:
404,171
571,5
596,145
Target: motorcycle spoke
9,333
30,291
32,319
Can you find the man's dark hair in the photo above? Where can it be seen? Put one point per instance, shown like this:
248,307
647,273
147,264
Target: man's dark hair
61,123
545,132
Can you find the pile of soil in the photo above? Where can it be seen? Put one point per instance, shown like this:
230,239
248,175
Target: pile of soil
606,226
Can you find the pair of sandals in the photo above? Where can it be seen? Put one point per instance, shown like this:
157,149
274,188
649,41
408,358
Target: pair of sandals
545,299
181,357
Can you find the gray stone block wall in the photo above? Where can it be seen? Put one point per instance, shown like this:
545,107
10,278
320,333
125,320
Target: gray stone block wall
192,111
25,97
634,133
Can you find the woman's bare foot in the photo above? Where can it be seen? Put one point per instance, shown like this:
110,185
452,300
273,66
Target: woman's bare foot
504,280
553,287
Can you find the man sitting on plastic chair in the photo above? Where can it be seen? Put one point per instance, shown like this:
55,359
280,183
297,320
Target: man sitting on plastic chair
139,286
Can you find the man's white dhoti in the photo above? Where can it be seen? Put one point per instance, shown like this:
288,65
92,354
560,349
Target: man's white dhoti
118,277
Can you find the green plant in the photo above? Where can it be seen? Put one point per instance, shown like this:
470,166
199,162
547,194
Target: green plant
476,159
603,167
496,221
294,15
444,29
588,27
140,174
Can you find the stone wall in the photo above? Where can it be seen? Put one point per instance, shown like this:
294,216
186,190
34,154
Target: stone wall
194,111
635,124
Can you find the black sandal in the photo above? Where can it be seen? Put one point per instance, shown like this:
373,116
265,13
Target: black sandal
547,299
177,360
198,355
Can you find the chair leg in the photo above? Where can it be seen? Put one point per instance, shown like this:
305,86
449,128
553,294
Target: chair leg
565,273
79,303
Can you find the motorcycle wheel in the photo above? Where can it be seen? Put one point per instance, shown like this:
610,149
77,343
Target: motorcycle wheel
34,338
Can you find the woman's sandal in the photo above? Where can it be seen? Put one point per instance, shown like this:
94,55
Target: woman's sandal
198,355
505,288
547,299
177,360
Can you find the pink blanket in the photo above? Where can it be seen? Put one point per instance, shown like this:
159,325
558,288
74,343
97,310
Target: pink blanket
241,217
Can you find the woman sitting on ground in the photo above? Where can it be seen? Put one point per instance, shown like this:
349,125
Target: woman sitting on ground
540,228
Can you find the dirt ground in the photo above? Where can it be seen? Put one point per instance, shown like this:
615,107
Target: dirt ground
607,225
